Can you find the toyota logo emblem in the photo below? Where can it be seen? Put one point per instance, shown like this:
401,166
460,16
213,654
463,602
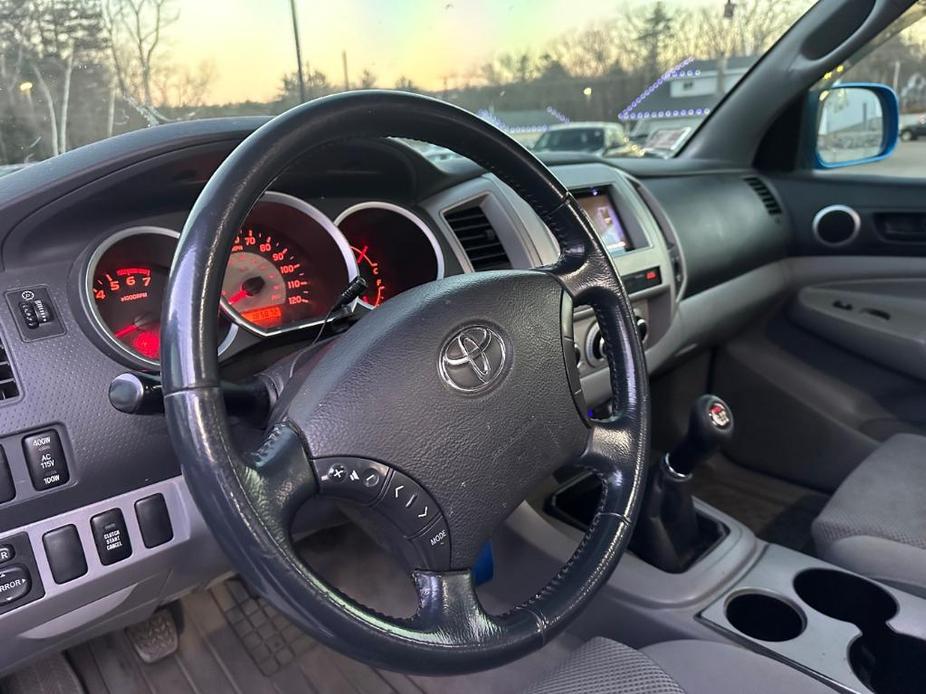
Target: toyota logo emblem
473,359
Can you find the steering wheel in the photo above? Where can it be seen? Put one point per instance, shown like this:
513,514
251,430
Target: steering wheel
441,409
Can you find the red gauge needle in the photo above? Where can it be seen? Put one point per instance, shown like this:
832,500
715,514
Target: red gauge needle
126,330
237,296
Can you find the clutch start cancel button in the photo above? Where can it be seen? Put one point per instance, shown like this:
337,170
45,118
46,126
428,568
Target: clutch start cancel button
111,537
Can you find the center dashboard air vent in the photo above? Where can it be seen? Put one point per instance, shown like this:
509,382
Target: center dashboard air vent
476,235
765,194
8,387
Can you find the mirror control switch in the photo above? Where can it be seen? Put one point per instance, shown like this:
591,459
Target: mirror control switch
15,583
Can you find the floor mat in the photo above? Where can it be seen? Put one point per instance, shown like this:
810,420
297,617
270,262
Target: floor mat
775,510
233,641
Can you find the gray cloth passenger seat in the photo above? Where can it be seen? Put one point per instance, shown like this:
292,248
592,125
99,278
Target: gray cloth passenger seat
875,523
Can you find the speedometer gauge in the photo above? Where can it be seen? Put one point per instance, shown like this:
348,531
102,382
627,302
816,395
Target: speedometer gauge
288,265
264,277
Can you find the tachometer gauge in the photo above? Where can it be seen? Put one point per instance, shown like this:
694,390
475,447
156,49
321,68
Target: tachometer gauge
124,284
395,250
288,265
129,300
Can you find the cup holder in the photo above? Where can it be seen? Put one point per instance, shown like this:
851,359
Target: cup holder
845,597
887,662
884,661
764,617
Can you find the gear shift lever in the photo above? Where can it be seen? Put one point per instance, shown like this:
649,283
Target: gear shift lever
710,427
668,534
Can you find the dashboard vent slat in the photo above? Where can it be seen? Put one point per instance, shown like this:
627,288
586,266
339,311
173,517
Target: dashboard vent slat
477,237
9,389
765,194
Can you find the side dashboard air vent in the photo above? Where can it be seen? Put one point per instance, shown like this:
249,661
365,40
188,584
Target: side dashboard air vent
765,194
8,387
478,239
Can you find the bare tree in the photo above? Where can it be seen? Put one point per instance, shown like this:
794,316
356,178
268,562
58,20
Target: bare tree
753,28
406,84
591,52
367,79
136,29
183,87
53,37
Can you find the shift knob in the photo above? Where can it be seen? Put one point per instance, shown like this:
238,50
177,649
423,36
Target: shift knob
710,426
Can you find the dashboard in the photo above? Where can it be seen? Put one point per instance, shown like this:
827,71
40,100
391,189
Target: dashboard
86,244
287,268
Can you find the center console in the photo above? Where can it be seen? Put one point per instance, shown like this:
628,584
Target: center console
857,635
692,572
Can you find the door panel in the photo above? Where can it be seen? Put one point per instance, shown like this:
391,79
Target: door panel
807,409
884,320
891,211
841,364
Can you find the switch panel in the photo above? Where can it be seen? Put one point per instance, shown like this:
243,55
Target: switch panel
46,461
36,315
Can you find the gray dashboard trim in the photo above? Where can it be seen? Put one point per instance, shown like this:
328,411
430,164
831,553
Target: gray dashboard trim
107,597
488,193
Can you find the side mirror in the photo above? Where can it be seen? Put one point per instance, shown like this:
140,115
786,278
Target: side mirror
855,124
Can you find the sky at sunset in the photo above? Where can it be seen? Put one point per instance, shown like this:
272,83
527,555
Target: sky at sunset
250,42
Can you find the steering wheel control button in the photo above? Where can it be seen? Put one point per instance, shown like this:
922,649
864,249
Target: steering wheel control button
111,537
154,521
433,546
6,553
7,489
15,583
351,479
65,554
407,504
45,457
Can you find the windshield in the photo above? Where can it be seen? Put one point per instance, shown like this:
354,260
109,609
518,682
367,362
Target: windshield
76,71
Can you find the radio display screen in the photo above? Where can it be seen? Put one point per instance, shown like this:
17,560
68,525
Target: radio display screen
600,209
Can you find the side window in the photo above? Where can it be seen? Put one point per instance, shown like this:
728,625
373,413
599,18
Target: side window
895,58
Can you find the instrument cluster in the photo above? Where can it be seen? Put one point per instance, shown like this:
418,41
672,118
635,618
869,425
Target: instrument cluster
288,265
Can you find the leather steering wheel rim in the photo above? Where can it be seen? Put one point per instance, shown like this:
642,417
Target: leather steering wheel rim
248,498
